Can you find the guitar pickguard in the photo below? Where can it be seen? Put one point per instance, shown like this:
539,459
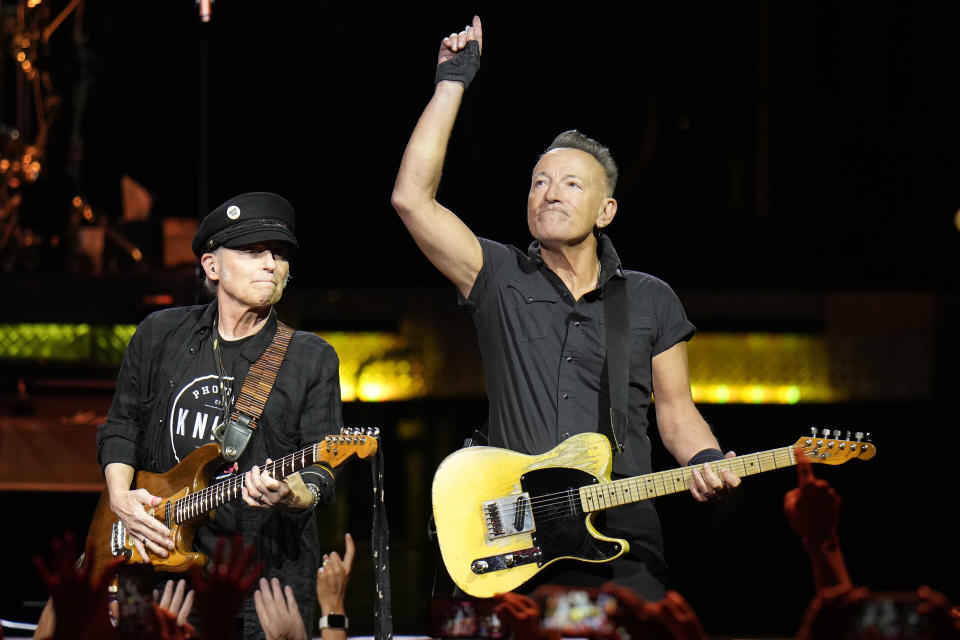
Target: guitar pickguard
549,509
560,530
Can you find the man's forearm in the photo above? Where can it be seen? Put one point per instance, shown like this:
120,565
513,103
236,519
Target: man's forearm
118,476
685,433
422,164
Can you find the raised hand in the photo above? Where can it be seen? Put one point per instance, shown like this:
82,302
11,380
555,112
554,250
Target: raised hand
222,587
177,600
671,618
813,508
80,601
278,612
333,576
456,42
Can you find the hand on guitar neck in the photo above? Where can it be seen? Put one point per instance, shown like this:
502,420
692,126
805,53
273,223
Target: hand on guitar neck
709,485
262,490
131,506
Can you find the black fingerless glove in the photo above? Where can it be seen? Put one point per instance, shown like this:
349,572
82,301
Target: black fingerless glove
461,67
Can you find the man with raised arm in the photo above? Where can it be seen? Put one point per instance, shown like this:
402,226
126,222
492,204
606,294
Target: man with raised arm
540,320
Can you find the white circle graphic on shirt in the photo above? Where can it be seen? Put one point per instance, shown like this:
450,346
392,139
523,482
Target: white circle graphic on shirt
196,411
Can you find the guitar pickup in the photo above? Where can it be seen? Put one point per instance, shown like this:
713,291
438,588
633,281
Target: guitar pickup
508,516
509,560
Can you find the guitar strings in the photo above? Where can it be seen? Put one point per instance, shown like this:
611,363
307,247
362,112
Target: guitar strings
228,490
684,474
211,496
562,504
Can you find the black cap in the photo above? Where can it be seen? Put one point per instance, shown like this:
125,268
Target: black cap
250,218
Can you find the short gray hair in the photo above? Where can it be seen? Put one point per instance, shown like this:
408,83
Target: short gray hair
573,139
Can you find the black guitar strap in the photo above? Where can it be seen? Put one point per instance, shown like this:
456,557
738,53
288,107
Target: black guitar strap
618,359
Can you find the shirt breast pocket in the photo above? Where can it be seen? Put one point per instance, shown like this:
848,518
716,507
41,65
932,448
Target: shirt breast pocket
532,311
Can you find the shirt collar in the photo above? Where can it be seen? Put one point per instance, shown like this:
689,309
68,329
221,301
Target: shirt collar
251,348
609,260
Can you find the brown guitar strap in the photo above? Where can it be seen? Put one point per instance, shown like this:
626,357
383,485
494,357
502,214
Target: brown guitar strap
254,393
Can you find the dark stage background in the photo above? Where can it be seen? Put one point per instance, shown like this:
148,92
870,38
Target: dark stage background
784,148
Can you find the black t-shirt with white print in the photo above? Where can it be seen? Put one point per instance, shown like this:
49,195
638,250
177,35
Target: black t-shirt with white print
196,409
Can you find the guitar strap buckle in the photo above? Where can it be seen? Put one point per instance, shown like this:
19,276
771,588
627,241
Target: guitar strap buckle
618,429
236,436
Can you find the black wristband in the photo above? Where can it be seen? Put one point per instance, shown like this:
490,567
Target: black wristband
707,455
461,67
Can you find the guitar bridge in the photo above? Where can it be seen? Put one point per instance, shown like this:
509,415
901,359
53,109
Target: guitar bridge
508,516
503,561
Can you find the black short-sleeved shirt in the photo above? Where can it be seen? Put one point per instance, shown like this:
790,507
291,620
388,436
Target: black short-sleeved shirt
544,358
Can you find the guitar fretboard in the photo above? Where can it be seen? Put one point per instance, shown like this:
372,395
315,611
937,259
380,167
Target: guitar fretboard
605,495
209,498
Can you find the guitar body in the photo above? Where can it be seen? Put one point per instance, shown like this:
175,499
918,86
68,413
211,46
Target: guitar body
519,513
189,476
187,497
502,516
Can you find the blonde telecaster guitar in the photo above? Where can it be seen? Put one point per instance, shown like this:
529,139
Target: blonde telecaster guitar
502,516
188,498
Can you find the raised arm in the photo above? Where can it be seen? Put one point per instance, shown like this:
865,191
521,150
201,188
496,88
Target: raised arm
444,239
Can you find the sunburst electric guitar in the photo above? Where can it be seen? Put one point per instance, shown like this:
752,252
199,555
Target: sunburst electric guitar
502,516
188,498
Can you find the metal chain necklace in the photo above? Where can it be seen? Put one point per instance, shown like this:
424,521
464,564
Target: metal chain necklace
221,375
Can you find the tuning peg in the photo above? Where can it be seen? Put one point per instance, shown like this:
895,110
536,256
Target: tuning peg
848,435
826,433
813,431
859,435
868,437
836,434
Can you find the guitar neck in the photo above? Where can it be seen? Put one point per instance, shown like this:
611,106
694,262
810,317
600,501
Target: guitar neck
605,495
216,495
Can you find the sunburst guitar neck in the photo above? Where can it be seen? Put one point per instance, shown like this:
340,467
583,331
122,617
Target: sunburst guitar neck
188,498
502,516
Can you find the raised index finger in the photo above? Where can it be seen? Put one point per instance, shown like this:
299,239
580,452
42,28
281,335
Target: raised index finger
804,468
349,550
478,32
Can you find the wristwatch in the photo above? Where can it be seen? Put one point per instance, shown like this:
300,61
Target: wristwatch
333,621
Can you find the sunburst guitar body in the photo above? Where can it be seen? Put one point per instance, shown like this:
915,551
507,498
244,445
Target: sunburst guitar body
188,498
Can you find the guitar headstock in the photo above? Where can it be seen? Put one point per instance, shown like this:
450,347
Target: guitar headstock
359,441
828,448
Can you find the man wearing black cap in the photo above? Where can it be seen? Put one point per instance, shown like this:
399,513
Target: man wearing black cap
183,372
